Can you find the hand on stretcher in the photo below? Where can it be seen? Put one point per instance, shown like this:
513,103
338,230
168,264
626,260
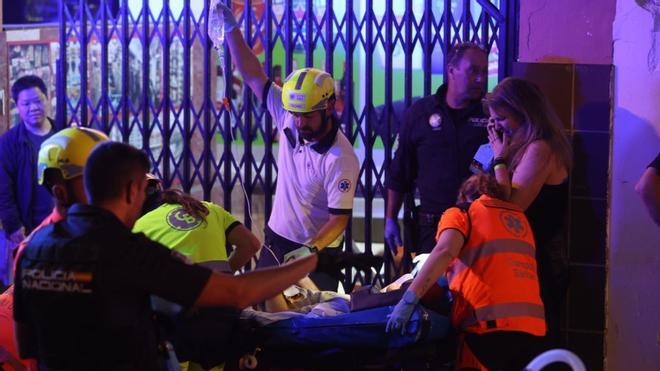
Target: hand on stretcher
401,313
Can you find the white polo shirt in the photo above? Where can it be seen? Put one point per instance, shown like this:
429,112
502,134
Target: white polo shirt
315,179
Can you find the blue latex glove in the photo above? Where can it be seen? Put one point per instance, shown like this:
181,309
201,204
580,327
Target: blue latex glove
401,313
219,9
392,233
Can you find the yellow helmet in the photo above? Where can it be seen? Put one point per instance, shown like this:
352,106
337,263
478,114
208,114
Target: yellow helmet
67,151
307,90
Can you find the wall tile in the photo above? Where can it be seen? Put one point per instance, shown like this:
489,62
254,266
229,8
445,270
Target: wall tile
587,231
592,97
556,82
591,164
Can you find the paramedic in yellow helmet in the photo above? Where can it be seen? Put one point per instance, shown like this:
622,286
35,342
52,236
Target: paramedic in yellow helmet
318,168
60,166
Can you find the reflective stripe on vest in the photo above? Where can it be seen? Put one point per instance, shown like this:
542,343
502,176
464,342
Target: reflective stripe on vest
468,258
504,310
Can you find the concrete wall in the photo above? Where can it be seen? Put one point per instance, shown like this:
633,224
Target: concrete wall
622,33
565,31
633,339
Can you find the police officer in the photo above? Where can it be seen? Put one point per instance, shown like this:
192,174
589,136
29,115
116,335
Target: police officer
436,144
60,164
318,168
81,299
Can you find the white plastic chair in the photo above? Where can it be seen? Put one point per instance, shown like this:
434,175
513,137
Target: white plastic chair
556,355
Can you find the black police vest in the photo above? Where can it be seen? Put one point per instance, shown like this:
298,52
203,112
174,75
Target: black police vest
74,316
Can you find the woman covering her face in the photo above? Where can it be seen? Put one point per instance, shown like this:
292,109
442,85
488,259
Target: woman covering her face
533,158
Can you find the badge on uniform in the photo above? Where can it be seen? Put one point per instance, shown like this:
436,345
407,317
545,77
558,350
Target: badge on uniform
435,121
513,223
344,185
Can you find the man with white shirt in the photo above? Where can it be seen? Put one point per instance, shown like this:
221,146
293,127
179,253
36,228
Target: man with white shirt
318,168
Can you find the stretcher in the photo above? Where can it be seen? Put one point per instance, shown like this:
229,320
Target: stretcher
350,341
347,341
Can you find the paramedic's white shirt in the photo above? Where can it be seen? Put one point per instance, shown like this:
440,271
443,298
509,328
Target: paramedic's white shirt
311,184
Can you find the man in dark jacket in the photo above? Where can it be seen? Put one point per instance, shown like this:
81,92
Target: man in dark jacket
23,203
437,141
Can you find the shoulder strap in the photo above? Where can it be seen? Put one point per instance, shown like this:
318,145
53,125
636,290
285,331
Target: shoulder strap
465,207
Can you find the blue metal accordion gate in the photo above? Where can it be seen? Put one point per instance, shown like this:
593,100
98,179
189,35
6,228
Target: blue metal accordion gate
145,72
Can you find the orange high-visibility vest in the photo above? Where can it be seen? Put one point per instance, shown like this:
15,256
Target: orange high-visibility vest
493,280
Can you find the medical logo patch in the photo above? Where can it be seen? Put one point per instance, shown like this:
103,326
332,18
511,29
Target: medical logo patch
513,223
180,220
344,185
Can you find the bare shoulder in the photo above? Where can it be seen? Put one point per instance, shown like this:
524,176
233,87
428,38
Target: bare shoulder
538,150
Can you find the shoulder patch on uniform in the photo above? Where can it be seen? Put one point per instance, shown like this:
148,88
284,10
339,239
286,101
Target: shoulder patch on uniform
435,120
344,185
513,223
180,220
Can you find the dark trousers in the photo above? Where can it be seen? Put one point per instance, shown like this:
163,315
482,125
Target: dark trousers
504,350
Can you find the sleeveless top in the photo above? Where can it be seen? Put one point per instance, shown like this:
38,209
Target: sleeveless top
547,213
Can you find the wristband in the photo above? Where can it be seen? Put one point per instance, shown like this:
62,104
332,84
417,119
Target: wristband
499,161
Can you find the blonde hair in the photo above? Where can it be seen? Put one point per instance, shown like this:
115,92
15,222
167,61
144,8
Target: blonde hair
538,119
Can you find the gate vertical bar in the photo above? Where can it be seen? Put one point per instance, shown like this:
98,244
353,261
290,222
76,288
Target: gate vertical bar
146,99
309,34
62,100
368,147
207,137
166,101
389,50
82,103
104,67
124,72
446,45
228,138
484,30
347,115
466,17
508,51
247,124
409,200
329,47
428,45
288,37
187,183
268,130
408,47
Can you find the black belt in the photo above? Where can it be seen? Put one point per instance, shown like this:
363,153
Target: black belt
428,218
